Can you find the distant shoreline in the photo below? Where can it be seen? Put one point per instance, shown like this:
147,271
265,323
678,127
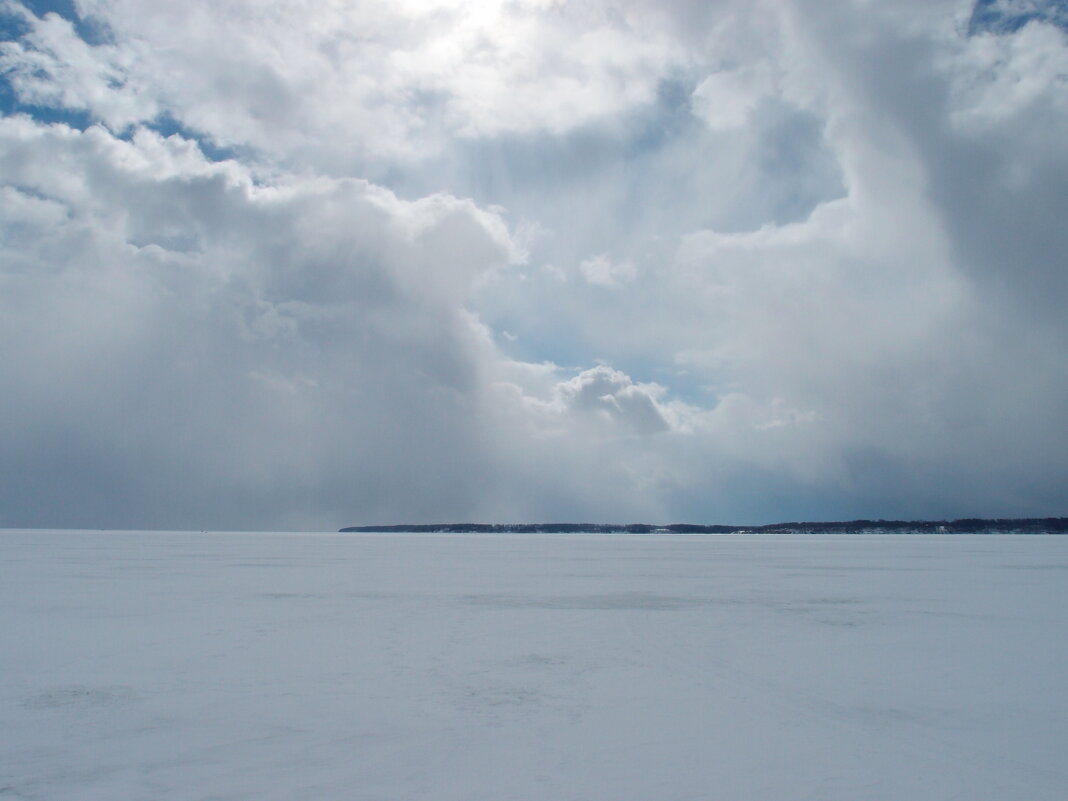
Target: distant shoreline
1024,525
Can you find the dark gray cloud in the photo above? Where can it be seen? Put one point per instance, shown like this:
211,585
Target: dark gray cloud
191,339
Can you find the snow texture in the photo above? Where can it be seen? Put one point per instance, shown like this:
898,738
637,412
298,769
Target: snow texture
371,667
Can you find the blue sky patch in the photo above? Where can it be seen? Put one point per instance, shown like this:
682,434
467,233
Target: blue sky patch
91,29
1009,16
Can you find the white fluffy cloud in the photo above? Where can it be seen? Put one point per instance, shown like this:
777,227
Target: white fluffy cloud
343,83
530,260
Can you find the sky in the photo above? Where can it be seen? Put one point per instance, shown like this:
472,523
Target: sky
303,265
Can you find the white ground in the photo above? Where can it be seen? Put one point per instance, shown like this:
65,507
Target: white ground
380,668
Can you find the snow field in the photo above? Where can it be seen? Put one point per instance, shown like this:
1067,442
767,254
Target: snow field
140,665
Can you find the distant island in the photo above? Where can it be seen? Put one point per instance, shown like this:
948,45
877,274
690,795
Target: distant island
1024,525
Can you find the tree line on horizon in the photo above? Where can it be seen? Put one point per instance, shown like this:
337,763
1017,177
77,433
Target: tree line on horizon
969,525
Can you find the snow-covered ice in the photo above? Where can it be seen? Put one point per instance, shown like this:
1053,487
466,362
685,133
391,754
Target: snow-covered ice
463,667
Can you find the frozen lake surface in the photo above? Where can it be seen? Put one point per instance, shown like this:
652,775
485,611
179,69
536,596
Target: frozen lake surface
465,667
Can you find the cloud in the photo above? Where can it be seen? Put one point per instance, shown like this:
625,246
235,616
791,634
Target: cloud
602,271
725,99
816,258
190,332
611,395
344,84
